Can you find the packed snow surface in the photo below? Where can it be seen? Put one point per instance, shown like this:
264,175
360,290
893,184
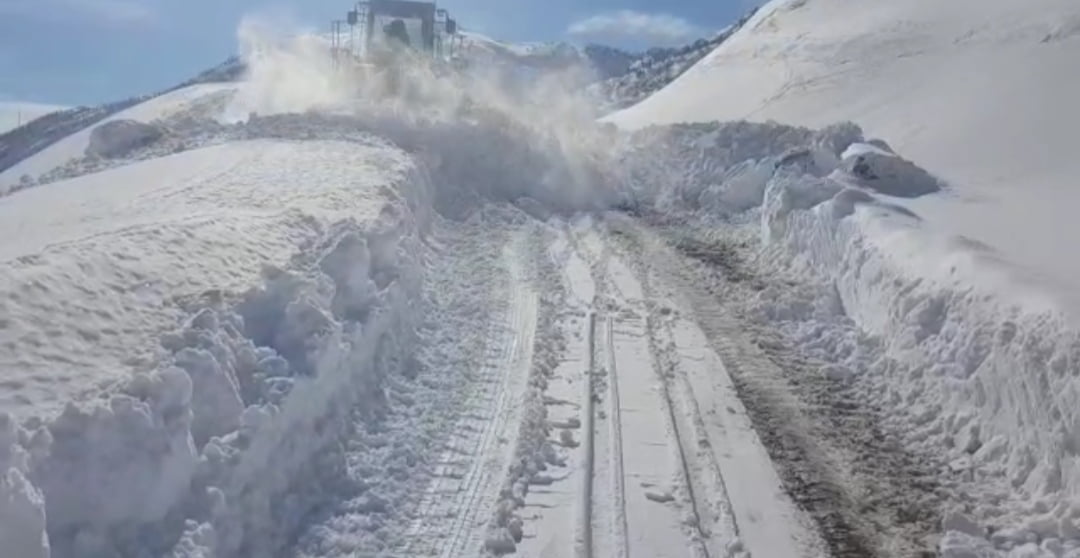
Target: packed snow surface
14,114
980,93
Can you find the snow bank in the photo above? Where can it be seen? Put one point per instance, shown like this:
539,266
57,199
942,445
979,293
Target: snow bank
721,167
289,268
972,364
968,357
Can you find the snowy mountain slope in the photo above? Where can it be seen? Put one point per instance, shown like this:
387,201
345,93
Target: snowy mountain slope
656,68
980,93
74,145
15,114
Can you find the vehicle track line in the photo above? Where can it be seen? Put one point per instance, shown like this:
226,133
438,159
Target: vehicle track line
619,474
679,429
584,539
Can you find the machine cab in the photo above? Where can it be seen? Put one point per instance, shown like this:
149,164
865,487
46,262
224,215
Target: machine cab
389,25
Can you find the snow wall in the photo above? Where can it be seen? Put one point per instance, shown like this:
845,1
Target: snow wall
249,408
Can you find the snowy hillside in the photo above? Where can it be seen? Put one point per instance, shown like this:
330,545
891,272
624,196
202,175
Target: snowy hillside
656,68
14,114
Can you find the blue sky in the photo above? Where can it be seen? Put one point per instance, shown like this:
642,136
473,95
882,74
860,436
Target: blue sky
92,51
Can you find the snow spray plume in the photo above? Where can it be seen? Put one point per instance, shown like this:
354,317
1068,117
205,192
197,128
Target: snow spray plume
523,117
536,125
288,71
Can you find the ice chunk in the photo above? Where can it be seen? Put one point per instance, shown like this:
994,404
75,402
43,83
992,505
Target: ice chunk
887,173
215,395
348,264
127,462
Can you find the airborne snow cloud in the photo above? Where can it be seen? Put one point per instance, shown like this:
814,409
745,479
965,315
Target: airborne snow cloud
634,25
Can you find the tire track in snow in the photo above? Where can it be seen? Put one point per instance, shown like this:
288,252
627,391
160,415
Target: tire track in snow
583,542
867,496
648,485
605,517
618,467
559,515
455,508
738,495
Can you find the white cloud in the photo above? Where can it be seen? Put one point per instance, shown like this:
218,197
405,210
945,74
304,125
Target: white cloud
635,26
111,12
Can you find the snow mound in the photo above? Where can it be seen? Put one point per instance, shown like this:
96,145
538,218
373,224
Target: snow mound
722,167
886,173
118,138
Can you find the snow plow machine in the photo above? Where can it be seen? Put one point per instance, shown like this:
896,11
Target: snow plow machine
385,43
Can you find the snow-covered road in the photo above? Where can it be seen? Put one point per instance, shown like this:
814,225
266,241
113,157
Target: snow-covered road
597,421
469,321
614,409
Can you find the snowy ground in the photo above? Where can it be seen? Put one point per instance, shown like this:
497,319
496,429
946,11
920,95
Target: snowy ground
461,322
